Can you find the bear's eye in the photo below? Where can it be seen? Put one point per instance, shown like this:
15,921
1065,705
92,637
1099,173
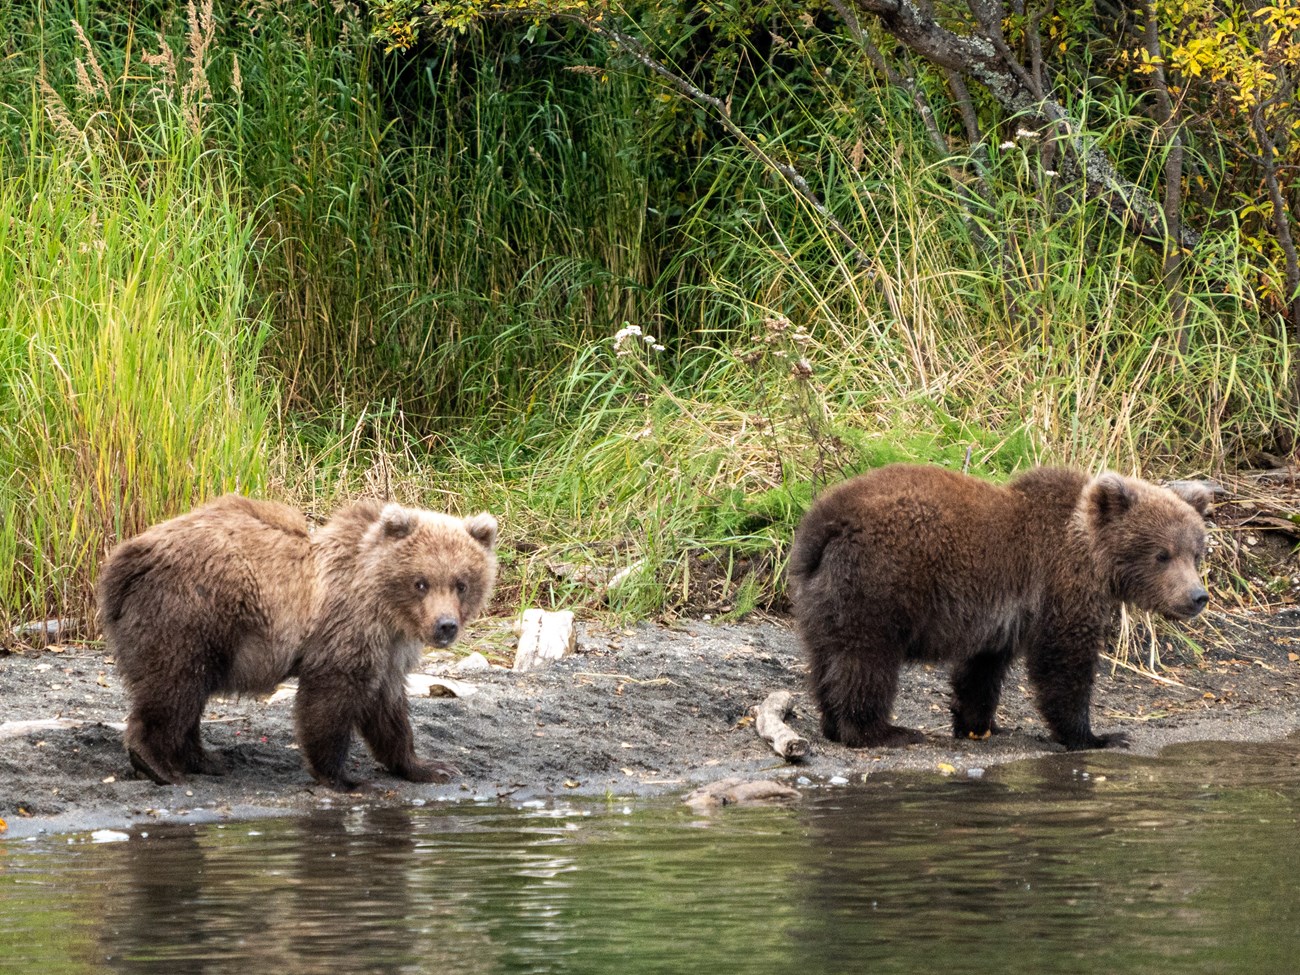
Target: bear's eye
461,587
1162,556
421,586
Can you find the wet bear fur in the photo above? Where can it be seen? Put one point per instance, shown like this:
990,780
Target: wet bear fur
920,564
237,595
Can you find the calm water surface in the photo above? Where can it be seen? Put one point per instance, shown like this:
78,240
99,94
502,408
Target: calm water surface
1098,864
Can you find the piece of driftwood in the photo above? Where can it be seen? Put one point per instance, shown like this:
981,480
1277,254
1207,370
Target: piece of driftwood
1217,490
43,633
544,637
426,685
1285,476
417,685
602,579
735,791
769,722
18,729
282,693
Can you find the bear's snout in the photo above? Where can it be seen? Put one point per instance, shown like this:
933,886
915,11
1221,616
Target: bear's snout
1197,600
445,631
1194,600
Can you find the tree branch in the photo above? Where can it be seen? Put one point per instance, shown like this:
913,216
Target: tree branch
1281,220
1173,135
990,64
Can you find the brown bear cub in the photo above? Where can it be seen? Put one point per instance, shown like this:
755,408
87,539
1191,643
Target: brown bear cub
912,563
237,595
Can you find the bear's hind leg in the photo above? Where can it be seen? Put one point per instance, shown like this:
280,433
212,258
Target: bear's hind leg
976,688
198,760
855,691
324,712
169,682
156,734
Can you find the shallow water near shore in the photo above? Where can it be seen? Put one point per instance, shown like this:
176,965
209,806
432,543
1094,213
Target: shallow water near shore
1104,862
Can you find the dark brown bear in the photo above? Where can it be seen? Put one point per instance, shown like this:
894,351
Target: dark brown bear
237,595
911,563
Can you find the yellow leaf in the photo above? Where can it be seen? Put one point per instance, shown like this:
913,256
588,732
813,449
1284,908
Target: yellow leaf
946,769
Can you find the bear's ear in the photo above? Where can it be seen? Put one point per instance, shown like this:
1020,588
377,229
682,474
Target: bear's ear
1109,496
1196,493
397,522
482,527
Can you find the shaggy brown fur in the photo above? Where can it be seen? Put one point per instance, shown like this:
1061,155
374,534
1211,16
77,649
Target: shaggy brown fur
237,595
911,563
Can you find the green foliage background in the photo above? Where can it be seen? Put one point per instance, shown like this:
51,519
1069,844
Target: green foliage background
245,248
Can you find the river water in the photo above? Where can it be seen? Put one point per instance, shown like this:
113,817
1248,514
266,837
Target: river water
1102,863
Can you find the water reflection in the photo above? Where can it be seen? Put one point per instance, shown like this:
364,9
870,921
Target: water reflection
336,891
1116,863
1103,863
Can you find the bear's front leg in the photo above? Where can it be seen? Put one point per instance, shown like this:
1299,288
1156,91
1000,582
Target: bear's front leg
1062,675
386,726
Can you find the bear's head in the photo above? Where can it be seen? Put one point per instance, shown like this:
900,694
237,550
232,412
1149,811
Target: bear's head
1148,541
433,572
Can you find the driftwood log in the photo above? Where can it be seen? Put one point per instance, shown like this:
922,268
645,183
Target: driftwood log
544,637
425,685
769,722
19,729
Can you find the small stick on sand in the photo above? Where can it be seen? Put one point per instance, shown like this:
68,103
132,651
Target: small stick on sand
769,722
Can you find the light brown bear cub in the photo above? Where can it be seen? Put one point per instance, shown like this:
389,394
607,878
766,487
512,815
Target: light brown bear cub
237,595
912,563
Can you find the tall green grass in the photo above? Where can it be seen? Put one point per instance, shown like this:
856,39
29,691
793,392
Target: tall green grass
129,348
445,229
800,365
340,272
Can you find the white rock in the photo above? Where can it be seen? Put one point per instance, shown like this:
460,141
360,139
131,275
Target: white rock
473,663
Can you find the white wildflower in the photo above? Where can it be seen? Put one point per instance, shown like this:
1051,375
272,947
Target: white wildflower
623,334
1026,134
1007,145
